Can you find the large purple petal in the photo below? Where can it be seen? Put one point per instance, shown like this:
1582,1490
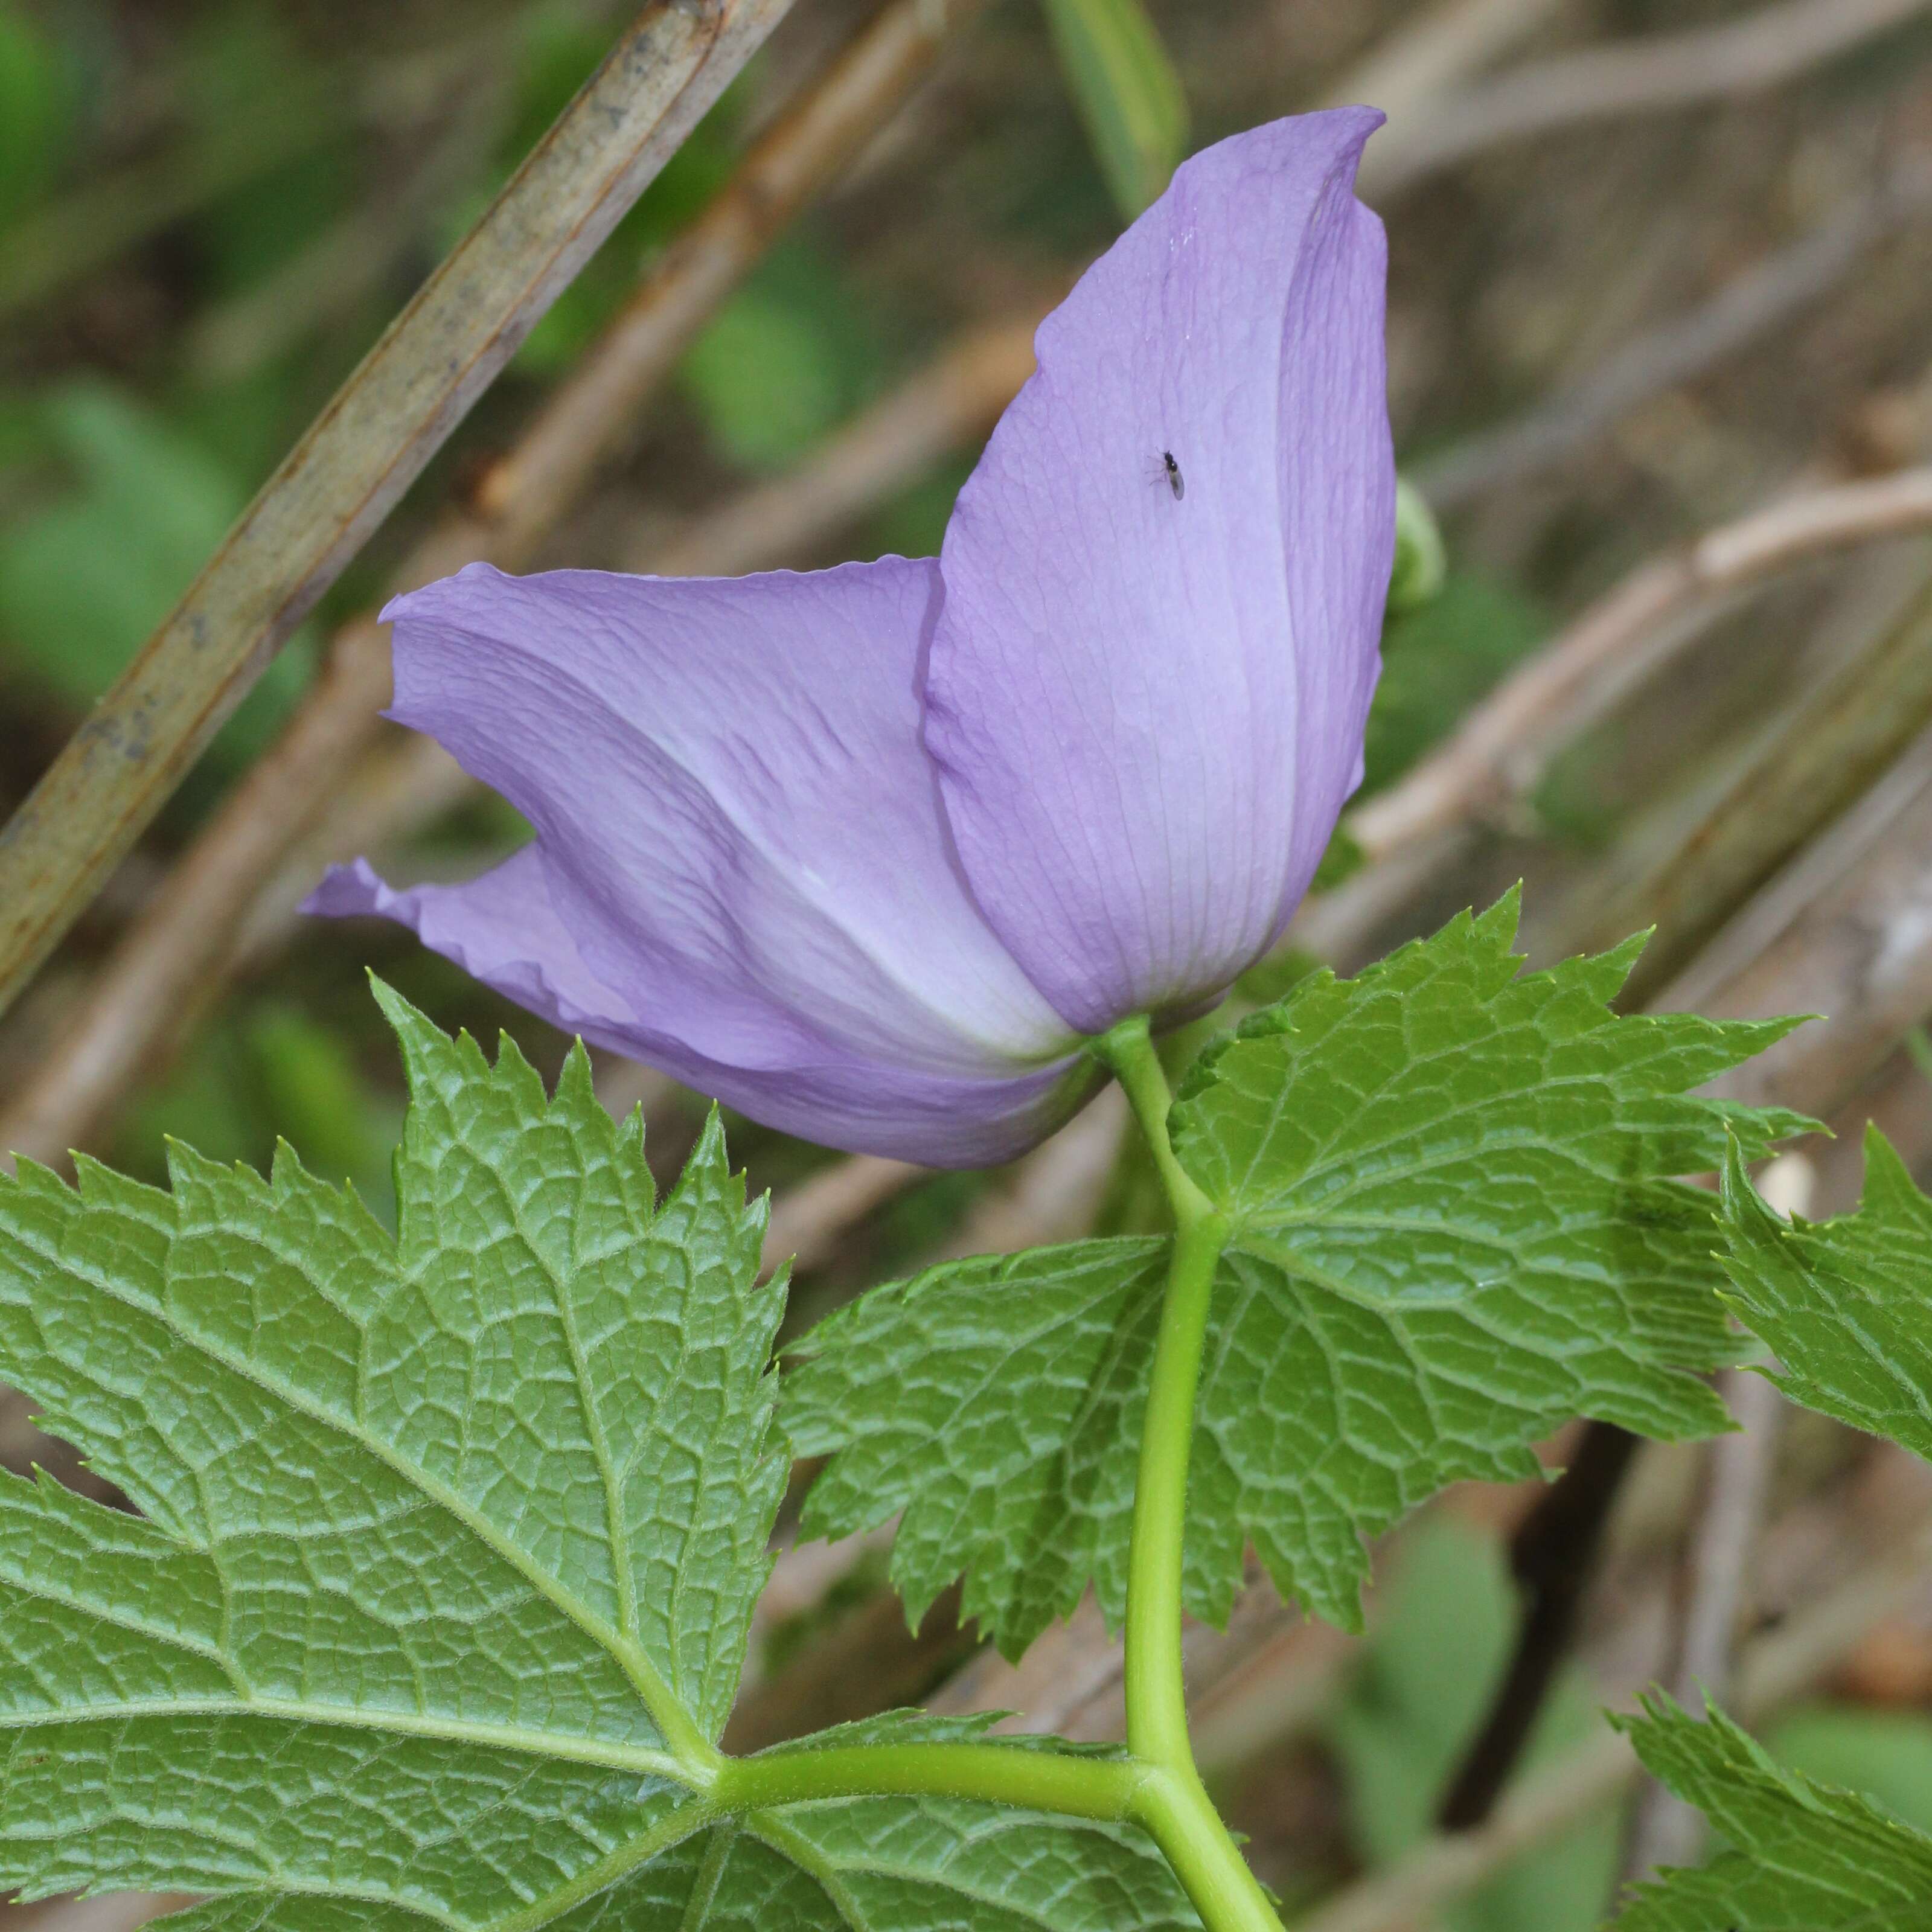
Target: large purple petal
744,874
502,928
1147,687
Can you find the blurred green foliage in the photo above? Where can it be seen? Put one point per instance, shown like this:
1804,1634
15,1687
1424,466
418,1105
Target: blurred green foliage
1438,659
1420,561
1431,1664
241,66
39,109
914,523
1886,1754
85,578
1128,96
269,1072
785,359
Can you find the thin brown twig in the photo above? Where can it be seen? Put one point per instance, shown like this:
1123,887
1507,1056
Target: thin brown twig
953,400
1432,51
1501,750
1810,765
1773,1669
342,479
168,963
1051,1194
1731,61
807,1220
111,1912
1683,347
1840,933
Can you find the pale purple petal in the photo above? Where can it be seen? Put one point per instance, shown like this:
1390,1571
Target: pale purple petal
1147,709
745,876
501,928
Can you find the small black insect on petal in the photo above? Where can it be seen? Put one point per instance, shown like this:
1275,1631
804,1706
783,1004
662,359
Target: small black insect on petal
1175,481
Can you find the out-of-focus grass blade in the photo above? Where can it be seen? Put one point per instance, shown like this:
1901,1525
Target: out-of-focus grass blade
1127,91
36,108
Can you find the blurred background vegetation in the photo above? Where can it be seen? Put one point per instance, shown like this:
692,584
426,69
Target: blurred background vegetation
209,209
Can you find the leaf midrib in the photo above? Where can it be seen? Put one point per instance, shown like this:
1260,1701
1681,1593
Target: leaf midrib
696,1770
385,1723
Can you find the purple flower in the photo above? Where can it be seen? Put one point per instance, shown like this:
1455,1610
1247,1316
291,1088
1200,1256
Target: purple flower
866,852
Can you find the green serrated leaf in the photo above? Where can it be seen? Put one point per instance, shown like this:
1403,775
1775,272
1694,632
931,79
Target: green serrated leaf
1452,1227
448,1550
1803,1857
1129,97
996,1403
1845,1304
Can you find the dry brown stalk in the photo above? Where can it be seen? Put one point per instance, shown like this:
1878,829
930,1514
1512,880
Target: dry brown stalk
807,1220
1736,58
1501,750
1051,1194
952,401
1843,933
1811,765
1432,51
113,1912
1684,347
339,482
170,960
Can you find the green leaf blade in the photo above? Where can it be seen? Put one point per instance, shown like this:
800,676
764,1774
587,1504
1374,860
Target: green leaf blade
585,1420
451,1547
311,1811
1802,1858
996,1402
1844,1303
1454,1225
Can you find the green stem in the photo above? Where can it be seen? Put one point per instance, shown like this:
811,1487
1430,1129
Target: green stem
1157,1704
1173,1804
1042,1781
1157,1785
1179,1816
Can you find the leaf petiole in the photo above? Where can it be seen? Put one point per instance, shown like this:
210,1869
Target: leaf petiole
1080,1787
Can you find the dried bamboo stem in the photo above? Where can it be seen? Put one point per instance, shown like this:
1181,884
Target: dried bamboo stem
339,482
170,962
